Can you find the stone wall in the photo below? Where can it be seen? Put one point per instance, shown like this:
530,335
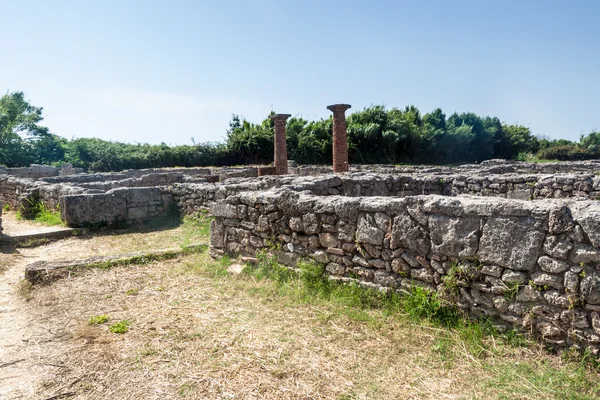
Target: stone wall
192,197
36,171
21,193
532,265
116,207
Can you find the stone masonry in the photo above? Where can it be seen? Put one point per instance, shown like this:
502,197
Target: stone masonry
340,137
280,157
516,242
529,265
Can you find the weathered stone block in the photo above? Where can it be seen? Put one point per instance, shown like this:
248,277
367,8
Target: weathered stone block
590,288
552,265
510,242
372,228
406,233
454,237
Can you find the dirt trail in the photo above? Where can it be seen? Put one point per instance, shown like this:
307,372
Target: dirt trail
21,362
22,341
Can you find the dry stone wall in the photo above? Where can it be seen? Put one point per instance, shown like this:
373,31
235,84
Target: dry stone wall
192,197
21,193
40,171
531,265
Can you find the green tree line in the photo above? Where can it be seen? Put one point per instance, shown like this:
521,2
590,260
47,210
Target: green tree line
376,135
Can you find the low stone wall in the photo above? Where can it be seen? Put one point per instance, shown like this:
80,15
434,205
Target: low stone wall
40,171
116,207
192,197
21,193
531,265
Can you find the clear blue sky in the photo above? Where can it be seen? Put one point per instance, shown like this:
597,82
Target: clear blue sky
166,71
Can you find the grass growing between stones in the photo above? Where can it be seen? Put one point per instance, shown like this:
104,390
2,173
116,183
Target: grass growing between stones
44,215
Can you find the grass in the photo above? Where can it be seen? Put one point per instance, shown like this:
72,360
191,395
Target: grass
120,327
197,224
39,212
25,289
461,336
98,320
276,333
529,157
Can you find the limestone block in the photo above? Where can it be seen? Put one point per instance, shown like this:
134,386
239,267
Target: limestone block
408,234
453,236
510,242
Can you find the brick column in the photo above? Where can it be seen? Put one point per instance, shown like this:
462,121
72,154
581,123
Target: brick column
340,137
280,161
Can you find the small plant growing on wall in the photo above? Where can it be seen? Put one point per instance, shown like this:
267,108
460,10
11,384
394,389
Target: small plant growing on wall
512,288
359,246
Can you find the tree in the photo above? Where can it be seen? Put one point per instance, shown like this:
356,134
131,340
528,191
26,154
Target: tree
19,129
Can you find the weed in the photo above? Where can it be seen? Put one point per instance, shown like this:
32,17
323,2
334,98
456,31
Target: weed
273,244
539,288
39,212
359,246
98,319
512,288
422,303
120,327
543,381
6,208
460,274
132,292
146,258
25,289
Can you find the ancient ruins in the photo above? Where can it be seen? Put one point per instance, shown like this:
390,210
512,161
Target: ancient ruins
517,242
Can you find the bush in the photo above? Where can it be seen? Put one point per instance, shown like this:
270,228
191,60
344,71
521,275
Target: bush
566,153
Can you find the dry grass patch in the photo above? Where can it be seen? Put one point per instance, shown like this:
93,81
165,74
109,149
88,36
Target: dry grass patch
195,332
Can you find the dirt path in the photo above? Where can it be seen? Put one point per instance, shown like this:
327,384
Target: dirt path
21,363
13,227
36,333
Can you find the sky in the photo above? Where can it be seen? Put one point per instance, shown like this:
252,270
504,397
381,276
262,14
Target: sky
169,71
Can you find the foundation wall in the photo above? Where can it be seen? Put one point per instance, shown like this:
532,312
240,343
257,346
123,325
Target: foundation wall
116,207
529,265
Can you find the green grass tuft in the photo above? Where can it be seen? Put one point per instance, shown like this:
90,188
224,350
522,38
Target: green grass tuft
98,319
120,327
39,212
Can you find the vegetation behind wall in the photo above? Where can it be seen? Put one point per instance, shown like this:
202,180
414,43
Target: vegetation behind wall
376,135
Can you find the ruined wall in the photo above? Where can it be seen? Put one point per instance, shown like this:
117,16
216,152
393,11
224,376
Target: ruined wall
533,265
192,197
116,207
21,193
36,171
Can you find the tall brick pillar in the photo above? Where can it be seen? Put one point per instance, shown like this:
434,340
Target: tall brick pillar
340,137
281,160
